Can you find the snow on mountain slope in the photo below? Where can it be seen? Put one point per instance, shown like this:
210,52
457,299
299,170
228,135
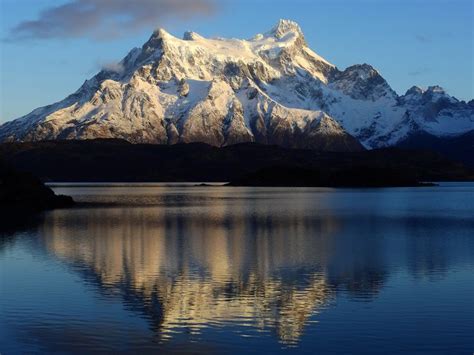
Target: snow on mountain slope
271,89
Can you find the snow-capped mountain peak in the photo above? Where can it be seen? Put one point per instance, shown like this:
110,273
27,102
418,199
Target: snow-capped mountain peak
191,36
284,28
415,91
271,88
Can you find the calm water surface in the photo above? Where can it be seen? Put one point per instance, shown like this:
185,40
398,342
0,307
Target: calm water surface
189,269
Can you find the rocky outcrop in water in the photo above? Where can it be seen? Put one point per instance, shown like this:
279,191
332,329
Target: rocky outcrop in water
24,193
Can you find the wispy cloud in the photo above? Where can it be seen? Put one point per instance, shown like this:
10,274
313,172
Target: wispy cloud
113,67
419,71
104,19
423,38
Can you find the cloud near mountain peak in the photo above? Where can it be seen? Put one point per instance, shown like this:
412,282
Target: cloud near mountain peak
105,19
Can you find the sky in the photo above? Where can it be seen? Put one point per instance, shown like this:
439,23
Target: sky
49,48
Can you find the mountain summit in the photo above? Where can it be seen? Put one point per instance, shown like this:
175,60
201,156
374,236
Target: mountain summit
271,89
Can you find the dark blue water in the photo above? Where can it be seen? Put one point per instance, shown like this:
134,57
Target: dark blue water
183,269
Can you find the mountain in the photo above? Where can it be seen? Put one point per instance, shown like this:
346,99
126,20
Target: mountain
460,148
270,89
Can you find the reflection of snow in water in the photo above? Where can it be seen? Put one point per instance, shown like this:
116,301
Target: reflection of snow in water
217,265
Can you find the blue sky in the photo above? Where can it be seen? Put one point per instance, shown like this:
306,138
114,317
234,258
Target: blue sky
411,42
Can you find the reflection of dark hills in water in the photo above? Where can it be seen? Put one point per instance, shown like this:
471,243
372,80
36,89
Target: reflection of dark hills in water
216,264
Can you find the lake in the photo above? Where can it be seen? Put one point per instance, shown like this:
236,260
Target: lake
183,269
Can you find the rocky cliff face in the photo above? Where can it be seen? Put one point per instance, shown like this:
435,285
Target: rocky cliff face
270,89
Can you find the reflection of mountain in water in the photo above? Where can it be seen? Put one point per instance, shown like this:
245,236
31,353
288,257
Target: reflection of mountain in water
190,270
266,263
